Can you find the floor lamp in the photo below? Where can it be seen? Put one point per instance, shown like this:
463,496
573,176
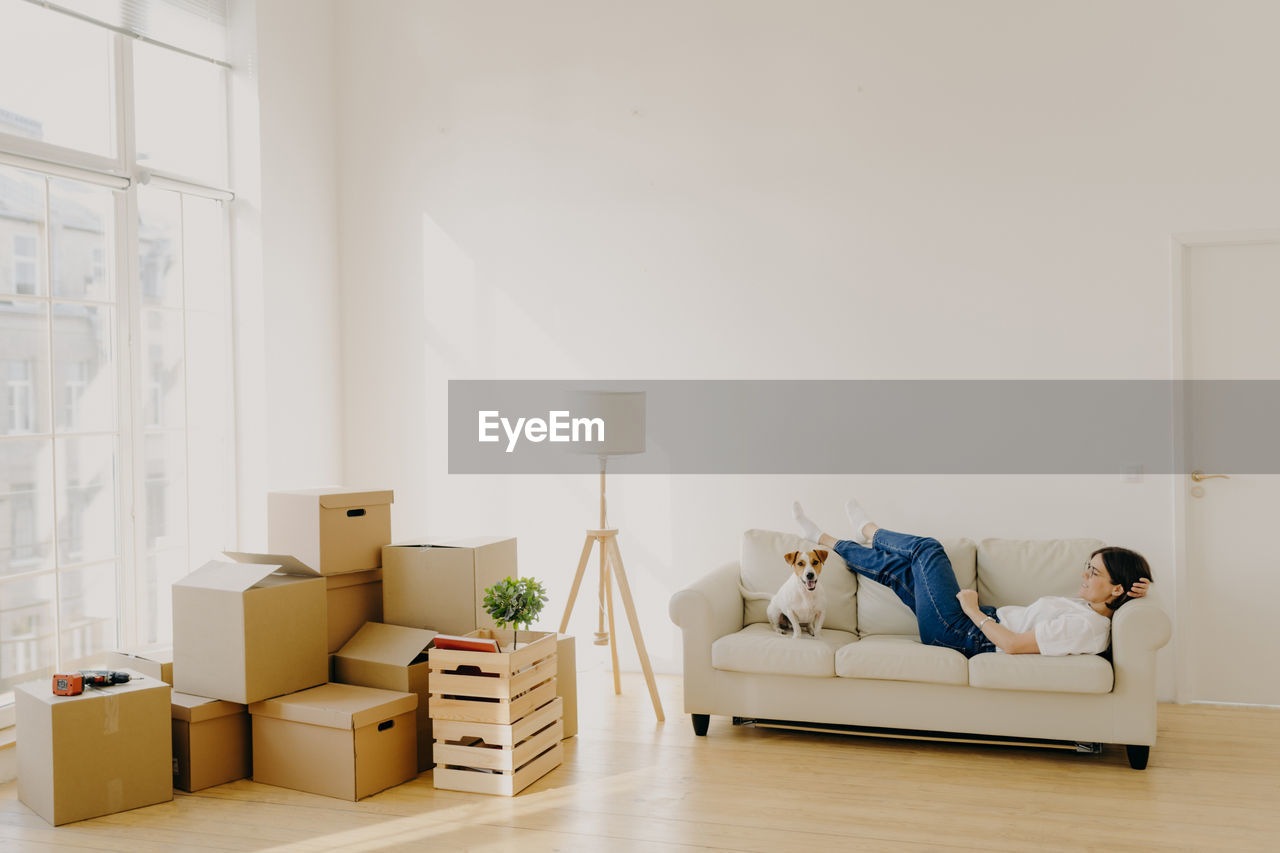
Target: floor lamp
622,413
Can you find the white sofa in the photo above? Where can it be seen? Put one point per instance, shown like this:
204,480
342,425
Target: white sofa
869,668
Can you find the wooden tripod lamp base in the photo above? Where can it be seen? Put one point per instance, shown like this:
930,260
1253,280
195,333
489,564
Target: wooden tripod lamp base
611,571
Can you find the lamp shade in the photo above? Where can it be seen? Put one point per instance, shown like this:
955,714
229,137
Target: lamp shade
622,413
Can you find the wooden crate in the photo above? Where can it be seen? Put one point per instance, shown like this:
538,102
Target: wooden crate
496,720
490,758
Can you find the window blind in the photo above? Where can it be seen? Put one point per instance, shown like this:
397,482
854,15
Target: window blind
196,27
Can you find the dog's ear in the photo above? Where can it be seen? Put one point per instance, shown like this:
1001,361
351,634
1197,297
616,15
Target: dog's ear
820,556
792,557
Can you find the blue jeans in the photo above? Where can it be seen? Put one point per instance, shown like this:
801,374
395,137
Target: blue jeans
919,572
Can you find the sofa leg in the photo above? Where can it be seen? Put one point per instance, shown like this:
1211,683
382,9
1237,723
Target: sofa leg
1138,756
700,723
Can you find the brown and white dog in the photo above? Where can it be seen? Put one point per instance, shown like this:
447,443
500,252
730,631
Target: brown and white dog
799,601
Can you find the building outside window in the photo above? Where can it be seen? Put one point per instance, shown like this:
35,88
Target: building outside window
26,258
75,379
20,396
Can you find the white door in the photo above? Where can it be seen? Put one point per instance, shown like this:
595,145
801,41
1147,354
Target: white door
1228,603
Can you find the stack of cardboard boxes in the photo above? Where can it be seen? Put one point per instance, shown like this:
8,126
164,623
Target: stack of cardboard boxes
281,666
339,740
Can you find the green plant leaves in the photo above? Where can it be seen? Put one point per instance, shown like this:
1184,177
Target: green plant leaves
515,602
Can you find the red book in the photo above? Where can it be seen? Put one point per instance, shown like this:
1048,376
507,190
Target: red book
454,642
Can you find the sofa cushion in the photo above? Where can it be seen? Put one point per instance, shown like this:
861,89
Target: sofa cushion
1018,571
764,568
880,611
1069,674
901,658
758,648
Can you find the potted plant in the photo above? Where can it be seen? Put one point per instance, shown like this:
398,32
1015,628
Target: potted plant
515,603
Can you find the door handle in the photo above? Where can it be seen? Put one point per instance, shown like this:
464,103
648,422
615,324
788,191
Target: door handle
1200,476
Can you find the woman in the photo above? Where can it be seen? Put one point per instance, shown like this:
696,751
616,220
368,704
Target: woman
919,572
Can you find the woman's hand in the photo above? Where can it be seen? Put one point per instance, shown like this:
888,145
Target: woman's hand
969,600
1140,588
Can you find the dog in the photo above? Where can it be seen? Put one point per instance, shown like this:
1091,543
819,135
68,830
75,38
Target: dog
799,601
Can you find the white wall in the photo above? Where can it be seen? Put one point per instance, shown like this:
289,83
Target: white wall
290,353
755,190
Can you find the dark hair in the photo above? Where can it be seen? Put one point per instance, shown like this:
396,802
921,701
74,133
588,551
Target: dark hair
1125,568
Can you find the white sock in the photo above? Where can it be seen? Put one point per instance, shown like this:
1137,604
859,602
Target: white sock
808,529
857,517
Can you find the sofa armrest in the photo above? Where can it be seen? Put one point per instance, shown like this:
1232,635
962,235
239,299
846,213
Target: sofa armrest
705,611
713,602
1138,630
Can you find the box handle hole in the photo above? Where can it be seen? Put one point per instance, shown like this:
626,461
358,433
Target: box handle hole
385,724
471,669
355,513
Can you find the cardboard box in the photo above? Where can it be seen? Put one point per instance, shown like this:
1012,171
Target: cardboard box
567,681
332,530
440,584
392,657
339,740
352,600
105,751
155,661
210,742
248,630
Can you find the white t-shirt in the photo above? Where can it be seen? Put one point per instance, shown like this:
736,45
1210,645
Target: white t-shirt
1063,626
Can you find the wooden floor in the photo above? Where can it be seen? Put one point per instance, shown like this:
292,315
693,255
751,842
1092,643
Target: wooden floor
629,783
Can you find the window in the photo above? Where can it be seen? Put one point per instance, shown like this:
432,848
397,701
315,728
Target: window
55,79
181,114
79,241
25,259
116,435
20,397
